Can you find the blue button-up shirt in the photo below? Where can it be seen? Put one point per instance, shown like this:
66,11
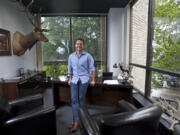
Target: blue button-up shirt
80,67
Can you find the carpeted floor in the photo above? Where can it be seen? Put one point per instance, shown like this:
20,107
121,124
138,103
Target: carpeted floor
64,118
64,114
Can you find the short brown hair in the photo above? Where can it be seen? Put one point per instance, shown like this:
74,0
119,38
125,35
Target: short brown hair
80,40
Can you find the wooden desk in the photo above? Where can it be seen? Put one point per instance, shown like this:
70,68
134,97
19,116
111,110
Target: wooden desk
100,94
31,84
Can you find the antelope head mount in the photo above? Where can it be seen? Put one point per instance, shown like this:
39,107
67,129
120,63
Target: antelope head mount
23,42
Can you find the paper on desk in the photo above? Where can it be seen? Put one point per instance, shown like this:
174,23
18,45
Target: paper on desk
111,82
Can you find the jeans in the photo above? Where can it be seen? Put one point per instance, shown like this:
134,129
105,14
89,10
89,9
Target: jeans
78,92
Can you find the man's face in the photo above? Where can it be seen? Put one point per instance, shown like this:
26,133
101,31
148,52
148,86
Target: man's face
79,45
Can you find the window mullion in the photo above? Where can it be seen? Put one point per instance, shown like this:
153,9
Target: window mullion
71,43
149,48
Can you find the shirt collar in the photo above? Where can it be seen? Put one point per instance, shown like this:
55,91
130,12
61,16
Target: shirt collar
83,52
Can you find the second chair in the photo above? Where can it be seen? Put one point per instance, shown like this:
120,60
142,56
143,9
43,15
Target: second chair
125,120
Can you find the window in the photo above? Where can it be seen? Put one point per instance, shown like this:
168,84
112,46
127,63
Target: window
139,30
92,30
166,51
156,59
166,42
58,47
64,30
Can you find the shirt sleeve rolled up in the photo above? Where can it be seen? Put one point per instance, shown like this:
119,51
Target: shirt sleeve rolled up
91,63
70,71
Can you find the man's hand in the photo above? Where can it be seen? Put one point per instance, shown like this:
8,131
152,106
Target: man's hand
92,83
69,82
70,79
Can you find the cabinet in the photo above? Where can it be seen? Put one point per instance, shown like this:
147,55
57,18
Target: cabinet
30,84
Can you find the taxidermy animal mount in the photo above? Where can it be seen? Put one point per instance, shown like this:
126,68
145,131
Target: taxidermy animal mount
23,42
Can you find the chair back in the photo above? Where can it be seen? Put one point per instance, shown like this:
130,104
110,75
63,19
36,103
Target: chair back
107,75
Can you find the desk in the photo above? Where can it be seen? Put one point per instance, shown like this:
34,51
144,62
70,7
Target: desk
28,85
100,94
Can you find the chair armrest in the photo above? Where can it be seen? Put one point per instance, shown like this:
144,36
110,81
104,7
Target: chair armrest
42,110
25,99
25,104
88,125
39,121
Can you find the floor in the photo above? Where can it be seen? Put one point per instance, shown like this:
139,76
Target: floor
64,114
64,118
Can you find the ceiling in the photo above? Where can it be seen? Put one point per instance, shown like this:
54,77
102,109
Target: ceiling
75,6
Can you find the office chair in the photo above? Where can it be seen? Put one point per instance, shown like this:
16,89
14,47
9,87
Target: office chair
126,120
107,75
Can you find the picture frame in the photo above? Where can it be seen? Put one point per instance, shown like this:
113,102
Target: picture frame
5,42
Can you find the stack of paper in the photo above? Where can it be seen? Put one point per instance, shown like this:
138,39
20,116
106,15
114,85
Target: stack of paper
111,82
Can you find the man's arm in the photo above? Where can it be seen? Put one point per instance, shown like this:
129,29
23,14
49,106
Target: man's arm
70,71
92,70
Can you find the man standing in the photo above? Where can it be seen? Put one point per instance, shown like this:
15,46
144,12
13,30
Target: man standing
81,72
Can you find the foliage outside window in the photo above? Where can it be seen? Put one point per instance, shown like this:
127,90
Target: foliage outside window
166,44
166,49
55,70
62,37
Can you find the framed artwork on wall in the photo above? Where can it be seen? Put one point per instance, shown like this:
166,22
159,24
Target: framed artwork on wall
5,43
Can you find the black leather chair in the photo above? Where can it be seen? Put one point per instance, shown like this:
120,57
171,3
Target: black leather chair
124,120
27,116
107,75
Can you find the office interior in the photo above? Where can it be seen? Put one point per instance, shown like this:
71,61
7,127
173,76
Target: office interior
136,55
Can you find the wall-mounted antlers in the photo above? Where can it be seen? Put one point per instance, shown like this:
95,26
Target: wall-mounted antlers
23,42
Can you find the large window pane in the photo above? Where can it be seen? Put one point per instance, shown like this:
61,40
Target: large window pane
139,78
57,49
139,24
166,43
62,35
92,30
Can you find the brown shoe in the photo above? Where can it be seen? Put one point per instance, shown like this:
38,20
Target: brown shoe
75,127
71,125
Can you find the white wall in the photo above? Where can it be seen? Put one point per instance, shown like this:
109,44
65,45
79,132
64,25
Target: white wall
118,38
13,19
